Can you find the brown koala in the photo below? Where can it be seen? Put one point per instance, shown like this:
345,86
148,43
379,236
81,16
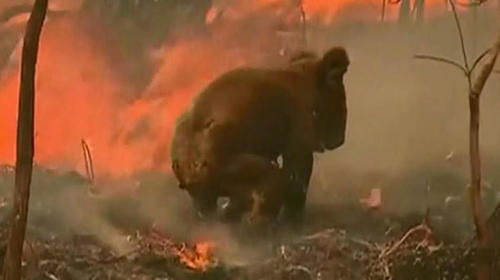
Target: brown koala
266,113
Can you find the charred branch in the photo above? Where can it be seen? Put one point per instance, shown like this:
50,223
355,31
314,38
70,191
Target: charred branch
87,158
443,60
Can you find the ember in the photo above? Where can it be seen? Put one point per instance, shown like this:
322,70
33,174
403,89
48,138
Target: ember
198,257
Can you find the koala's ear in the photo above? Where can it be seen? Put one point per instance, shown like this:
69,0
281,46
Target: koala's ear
333,65
335,58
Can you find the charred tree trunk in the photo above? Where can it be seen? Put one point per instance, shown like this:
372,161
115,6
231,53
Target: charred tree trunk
404,11
420,10
382,11
494,226
482,233
25,142
303,23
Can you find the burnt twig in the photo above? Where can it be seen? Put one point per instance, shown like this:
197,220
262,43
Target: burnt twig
478,59
421,227
89,165
441,59
460,35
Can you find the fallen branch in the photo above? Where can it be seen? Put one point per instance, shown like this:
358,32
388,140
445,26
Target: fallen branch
25,142
304,269
421,227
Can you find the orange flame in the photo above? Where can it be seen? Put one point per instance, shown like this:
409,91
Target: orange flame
197,258
324,11
79,96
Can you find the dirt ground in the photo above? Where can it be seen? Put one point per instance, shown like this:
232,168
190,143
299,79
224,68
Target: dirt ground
146,232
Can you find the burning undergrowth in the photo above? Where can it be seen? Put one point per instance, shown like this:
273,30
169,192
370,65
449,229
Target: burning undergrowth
329,254
152,233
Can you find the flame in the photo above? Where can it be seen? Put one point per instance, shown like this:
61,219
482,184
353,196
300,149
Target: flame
80,97
323,11
197,258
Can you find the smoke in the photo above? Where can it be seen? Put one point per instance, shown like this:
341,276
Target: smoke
405,112
407,123
83,91
408,120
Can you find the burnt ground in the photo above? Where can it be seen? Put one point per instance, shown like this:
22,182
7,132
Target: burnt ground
75,234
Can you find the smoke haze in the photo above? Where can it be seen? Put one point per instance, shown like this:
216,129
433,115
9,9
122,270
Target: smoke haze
407,122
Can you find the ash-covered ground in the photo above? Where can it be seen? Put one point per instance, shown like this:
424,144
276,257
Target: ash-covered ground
74,233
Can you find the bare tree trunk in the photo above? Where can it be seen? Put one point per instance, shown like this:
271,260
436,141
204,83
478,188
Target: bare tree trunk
404,11
420,10
25,142
303,19
482,233
382,11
